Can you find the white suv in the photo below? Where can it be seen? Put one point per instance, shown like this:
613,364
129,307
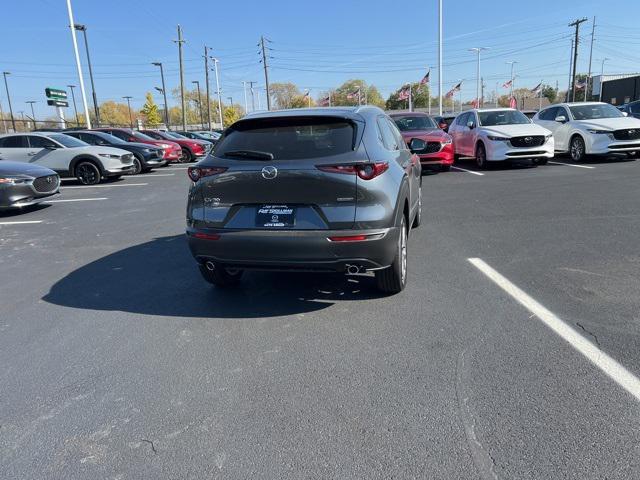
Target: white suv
66,155
590,128
500,134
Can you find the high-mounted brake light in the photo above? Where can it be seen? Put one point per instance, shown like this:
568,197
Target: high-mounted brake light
196,173
366,171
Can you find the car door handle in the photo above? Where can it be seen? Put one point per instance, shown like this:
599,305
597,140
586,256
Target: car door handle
32,154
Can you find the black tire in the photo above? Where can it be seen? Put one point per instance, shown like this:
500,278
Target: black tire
418,218
445,168
221,276
137,166
577,149
394,278
481,157
187,156
87,173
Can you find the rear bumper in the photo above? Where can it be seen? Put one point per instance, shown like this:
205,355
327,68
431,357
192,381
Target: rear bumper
300,250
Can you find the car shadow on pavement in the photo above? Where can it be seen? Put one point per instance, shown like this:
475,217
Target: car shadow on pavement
16,212
161,278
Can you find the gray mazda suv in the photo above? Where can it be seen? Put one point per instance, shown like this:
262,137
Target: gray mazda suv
320,190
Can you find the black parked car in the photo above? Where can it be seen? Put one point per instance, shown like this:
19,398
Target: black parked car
632,109
321,190
145,156
24,184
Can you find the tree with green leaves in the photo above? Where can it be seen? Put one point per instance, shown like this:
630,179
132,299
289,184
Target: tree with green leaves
150,112
369,94
420,96
283,94
231,114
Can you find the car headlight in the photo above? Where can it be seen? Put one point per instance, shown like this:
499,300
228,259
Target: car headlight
497,139
108,155
147,150
165,145
447,141
11,180
547,137
600,132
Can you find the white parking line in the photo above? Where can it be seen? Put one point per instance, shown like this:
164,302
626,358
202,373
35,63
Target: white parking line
107,186
573,165
159,175
76,200
468,171
177,168
23,222
597,357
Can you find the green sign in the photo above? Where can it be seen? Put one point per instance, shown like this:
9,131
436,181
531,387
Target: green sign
57,103
55,93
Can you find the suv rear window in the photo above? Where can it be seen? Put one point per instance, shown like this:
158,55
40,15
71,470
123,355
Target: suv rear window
289,138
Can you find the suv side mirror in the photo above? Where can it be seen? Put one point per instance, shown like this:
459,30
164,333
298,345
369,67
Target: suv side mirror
561,119
626,114
417,145
470,124
51,146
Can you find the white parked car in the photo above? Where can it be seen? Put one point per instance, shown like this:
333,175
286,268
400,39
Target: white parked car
498,135
67,156
590,128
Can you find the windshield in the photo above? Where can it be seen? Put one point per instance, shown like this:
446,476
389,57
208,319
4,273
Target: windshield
288,138
109,138
68,141
141,135
175,135
414,122
502,117
594,111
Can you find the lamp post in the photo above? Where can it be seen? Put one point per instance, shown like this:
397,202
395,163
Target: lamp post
477,50
512,63
602,79
128,98
164,93
33,115
6,86
83,29
197,83
75,108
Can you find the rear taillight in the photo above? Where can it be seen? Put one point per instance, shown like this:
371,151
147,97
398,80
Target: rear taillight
356,238
197,147
196,173
366,171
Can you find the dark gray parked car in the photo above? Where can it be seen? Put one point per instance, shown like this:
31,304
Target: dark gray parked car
324,190
25,184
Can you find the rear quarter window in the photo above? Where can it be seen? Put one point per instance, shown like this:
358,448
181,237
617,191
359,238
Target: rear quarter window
289,138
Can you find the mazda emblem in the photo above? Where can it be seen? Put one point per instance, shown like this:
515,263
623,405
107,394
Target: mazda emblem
528,139
269,173
631,132
49,180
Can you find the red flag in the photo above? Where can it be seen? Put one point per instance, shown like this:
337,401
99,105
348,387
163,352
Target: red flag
324,102
403,94
512,102
455,89
425,79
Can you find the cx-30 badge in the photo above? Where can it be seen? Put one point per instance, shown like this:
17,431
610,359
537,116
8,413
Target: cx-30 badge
269,173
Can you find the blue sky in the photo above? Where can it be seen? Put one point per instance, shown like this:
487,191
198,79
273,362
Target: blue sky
316,45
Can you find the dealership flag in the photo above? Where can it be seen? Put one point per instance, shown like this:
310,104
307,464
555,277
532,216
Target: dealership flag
425,79
353,94
580,85
507,84
455,89
324,102
403,94
537,89
475,103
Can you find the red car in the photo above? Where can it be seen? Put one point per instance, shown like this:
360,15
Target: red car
192,149
438,151
172,151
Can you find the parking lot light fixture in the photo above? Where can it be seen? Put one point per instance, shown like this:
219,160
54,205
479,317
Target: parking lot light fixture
164,93
128,98
6,86
477,50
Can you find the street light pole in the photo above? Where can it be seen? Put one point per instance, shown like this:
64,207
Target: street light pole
439,57
512,63
83,29
78,65
244,89
6,86
215,66
164,93
129,105
33,115
477,50
206,78
230,100
602,78
199,103
75,108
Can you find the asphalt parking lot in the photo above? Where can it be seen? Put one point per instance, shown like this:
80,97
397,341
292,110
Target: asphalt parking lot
118,361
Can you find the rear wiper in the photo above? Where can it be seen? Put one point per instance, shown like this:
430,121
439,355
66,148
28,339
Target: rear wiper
254,154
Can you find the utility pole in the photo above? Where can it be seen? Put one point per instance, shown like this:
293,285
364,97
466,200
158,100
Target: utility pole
199,103
206,76
266,73
219,92
78,65
439,57
602,79
75,108
589,82
568,95
33,115
4,124
6,86
83,29
477,50
253,100
164,93
128,98
575,56
180,41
